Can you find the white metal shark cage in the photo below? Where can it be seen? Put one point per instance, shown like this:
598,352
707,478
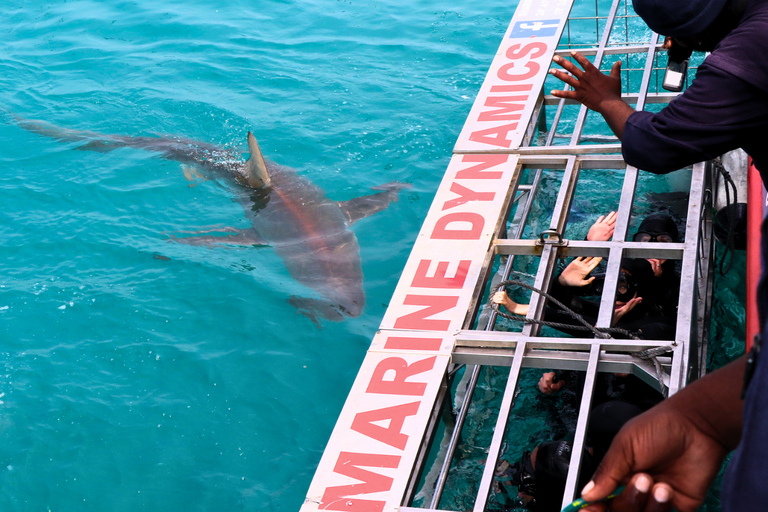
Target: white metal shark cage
391,432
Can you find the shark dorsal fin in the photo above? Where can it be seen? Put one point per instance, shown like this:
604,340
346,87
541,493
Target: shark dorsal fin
256,175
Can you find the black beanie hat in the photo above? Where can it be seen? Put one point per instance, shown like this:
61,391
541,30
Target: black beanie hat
679,18
552,461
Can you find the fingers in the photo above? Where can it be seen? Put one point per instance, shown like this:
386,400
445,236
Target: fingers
571,78
641,495
565,77
656,266
582,60
499,297
611,218
635,496
569,95
547,384
593,262
628,306
570,66
589,260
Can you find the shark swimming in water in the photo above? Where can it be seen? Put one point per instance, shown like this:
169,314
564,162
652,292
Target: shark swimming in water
308,231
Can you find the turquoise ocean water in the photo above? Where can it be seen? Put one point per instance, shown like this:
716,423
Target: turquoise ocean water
139,374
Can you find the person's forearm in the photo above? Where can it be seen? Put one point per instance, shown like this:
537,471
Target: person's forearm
616,112
714,403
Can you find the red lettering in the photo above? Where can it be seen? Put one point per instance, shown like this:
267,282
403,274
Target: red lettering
504,72
504,108
402,370
442,230
500,140
466,195
392,434
406,343
348,464
476,172
440,279
539,49
418,319
512,88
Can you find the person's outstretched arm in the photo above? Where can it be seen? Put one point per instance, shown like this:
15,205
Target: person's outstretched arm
670,454
599,92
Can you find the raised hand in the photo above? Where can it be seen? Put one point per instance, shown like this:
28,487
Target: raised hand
602,229
599,92
575,274
622,308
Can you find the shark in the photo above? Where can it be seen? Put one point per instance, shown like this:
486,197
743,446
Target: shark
287,212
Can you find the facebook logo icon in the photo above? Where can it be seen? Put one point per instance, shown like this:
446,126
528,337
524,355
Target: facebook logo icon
540,28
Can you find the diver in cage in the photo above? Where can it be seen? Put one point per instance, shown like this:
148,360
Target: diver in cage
647,292
671,454
646,304
540,474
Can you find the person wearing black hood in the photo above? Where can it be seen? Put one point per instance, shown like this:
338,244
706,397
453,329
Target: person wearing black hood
670,455
648,290
541,473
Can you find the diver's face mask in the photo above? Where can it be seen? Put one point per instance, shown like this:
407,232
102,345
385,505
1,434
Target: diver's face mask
642,236
625,289
523,475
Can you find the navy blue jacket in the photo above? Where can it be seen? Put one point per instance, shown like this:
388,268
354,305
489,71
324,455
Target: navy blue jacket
724,108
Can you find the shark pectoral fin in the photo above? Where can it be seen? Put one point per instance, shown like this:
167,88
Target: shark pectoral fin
362,207
227,236
255,169
192,174
315,308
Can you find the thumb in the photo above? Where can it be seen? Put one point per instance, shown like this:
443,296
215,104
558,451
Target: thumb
616,70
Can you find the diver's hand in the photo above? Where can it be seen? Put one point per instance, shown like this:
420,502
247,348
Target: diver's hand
575,274
599,92
547,384
674,450
625,307
513,307
602,229
656,266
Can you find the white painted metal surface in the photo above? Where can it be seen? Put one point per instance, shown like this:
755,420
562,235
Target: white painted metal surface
378,451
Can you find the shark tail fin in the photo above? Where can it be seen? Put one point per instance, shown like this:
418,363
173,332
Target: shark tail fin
256,174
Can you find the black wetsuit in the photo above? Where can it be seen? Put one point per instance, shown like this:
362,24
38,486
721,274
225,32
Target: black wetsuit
653,318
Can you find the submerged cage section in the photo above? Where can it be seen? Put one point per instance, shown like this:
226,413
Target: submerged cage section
427,424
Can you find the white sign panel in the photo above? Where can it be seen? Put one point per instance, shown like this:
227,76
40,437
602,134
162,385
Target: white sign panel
505,103
436,286
367,463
